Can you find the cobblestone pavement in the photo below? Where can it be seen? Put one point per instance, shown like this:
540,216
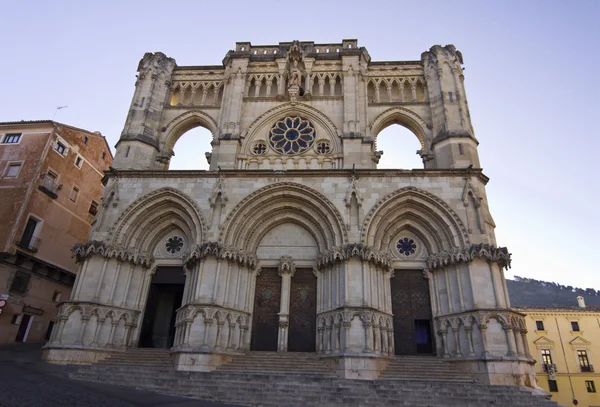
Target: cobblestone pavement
26,381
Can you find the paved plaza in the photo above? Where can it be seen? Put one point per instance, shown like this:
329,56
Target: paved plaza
27,381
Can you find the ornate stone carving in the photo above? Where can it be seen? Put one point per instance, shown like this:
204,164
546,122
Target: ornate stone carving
286,265
82,251
219,251
485,251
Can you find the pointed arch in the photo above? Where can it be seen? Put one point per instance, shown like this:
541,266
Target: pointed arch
184,122
404,117
438,225
148,217
281,203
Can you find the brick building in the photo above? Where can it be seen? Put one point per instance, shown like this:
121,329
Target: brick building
50,190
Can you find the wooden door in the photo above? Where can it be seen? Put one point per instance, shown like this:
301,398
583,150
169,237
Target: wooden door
303,312
411,307
23,327
265,317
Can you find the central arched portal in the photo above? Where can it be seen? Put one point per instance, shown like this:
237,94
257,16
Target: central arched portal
411,307
285,301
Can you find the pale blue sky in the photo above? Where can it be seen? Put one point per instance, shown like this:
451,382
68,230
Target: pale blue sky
531,80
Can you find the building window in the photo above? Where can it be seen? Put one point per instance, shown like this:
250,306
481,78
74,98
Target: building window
103,155
74,194
60,148
450,97
50,184
575,326
56,296
28,240
546,357
16,319
12,170
94,208
539,325
85,140
12,138
590,386
78,161
20,282
584,362
460,149
552,386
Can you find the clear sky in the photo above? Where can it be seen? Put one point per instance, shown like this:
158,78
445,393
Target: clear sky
531,78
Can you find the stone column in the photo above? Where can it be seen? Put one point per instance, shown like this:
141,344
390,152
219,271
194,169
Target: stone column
469,331
347,326
336,337
230,336
444,334
328,339
456,332
187,329
483,330
114,282
218,339
286,270
390,340
525,343
207,324
99,323
127,335
519,340
99,286
127,284
111,335
510,338
377,339
84,321
320,336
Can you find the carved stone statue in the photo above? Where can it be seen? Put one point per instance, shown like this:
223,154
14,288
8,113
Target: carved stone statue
295,75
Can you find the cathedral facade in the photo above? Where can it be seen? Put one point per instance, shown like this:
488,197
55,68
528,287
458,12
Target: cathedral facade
294,241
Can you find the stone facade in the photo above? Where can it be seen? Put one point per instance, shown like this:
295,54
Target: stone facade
50,183
293,185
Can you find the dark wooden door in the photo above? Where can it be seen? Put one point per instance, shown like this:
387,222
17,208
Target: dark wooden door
411,307
23,328
265,317
303,312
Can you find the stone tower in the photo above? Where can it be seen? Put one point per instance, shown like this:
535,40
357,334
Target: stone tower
294,240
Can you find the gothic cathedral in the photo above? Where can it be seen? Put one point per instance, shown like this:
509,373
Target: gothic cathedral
294,241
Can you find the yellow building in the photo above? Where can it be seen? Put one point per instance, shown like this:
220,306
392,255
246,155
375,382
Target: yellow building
565,341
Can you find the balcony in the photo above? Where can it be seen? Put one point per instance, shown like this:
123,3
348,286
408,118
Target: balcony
549,367
49,187
30,244
588,368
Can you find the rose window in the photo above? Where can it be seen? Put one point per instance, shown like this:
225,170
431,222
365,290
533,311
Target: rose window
259,148
174,244
292,135
323,147
406,246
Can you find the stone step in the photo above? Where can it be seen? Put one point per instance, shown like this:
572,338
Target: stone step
303,380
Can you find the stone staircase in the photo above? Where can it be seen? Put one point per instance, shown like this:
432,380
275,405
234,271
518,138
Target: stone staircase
301,380
424,368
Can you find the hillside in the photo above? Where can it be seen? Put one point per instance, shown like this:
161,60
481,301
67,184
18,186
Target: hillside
525,292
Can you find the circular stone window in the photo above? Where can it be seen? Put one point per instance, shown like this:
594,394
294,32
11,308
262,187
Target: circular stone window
406,246
292,135
259,148
174,244
323,147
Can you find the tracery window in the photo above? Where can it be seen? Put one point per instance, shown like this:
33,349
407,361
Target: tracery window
174,244
406,246
323,147
292,135
259,148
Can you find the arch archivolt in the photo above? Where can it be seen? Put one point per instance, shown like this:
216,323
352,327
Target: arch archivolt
279,203
184,122
288,109
405,117
146,220
439,226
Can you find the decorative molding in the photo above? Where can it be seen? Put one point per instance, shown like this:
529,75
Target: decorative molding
348,251
485,251
82,251
286,266
219,251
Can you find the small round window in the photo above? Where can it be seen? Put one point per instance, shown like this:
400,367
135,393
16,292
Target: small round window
259,148
292,135
174,244
406,246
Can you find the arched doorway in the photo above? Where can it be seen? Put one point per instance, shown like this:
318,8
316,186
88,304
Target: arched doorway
411,307
164,298
189,152
285,302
